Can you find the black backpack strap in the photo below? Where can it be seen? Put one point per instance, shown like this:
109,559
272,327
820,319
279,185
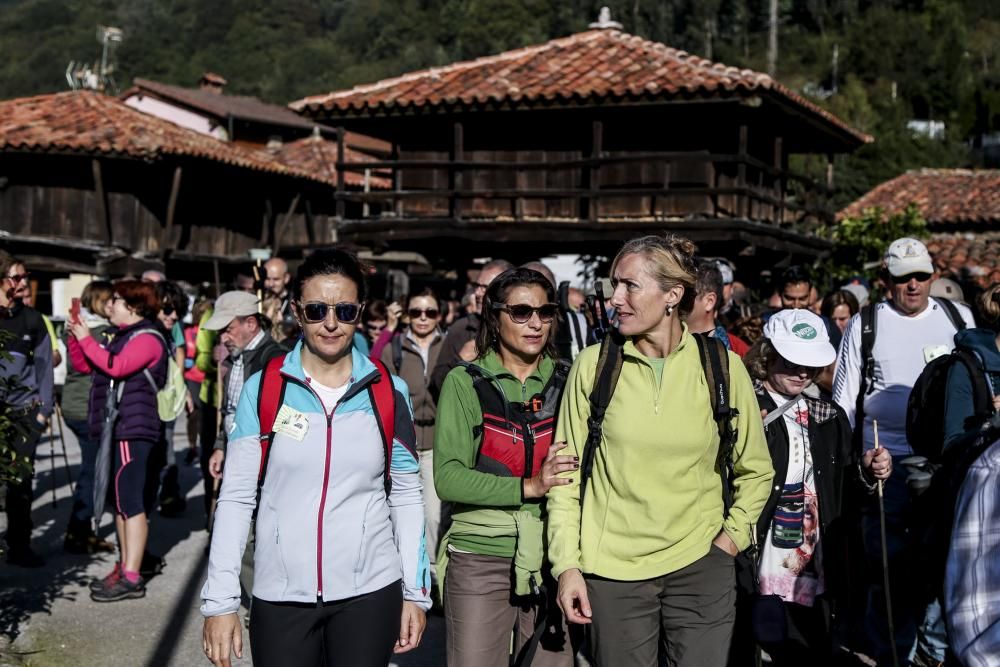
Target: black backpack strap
951,310
397,352
609,369
869,327
715,363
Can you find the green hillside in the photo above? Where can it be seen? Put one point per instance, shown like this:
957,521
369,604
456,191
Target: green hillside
897,59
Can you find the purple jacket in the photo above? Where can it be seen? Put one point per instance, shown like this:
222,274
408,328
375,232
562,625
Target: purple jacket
138,418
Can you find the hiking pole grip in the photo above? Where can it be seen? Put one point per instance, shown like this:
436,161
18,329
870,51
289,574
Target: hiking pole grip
885,560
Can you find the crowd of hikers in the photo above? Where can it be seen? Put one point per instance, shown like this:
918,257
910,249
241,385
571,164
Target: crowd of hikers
661,471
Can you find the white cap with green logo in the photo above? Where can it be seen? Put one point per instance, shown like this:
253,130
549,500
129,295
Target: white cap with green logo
800,337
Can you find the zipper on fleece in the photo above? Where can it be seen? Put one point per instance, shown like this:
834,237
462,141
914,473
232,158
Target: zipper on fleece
322,505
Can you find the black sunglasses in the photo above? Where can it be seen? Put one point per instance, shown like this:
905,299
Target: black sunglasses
18,277
919,277
344,312
520,313
167,310
431,313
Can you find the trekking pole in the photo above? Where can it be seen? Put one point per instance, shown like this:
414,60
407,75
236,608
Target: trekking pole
62,442
52,461
885,561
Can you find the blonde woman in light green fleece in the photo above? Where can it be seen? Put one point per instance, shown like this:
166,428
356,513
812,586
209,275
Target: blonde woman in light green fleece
649,558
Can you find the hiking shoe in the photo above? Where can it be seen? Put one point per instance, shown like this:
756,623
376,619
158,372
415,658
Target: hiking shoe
151,565
24,557
108,579
120,589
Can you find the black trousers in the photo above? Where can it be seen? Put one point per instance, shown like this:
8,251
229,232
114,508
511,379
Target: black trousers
208,432
356,632
20,494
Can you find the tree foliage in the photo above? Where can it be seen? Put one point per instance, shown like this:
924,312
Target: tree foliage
861,242
898,59
12,467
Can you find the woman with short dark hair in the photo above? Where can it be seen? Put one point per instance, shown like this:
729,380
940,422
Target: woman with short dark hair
494,459
340,571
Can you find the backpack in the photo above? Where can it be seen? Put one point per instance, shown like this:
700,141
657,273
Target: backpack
272,394
869,327
507,424
935,504
714,363
926,406
172,397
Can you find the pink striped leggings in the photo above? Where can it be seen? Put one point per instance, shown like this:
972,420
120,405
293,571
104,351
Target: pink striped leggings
129,476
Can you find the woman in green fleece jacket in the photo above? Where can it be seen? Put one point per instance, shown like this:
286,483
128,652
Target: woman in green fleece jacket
648,559
495,460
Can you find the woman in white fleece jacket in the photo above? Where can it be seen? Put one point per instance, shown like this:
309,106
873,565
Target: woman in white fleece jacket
341,574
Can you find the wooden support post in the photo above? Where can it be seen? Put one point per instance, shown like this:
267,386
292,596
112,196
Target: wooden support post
340,174
397,182
519,185
168,227
281,225
310,224
455,174
779,163
102,199
596,148
741,173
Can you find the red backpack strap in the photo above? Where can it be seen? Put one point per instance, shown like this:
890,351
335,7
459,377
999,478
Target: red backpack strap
269,398
383,398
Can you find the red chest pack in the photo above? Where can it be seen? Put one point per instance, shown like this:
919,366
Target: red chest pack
515,436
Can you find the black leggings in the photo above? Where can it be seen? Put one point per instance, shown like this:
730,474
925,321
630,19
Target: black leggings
356,632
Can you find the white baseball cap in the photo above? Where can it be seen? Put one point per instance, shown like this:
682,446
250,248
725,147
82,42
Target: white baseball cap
906,256
228,307
800,337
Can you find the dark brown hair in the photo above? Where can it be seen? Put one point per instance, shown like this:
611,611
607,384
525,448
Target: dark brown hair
839,298
488,337
140,296
96,293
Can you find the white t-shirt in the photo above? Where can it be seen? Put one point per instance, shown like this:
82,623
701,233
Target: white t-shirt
791,559
330,396
903,346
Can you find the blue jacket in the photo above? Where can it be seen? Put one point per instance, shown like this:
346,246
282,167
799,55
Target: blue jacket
959,407
325,528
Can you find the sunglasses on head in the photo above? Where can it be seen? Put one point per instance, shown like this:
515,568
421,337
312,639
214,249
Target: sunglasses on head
18,277
919,277
344,312
431,313
520,313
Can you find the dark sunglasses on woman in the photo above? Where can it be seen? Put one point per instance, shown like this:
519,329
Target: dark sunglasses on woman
520,313
167,310
347,313
431,313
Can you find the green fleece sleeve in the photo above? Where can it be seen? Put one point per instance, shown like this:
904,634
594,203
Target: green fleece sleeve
564,500
455,448
751,459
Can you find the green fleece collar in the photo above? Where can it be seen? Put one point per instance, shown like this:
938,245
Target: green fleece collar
491,363
630,350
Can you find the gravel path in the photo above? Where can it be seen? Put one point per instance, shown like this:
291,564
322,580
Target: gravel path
48,619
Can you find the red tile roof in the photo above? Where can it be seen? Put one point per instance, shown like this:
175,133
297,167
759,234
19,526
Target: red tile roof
944,196
221,106
318,156
967,256
90,123
595,65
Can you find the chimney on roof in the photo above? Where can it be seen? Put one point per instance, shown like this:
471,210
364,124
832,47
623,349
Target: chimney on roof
604,21
212,82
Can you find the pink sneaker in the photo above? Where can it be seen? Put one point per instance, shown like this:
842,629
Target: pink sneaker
109,580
